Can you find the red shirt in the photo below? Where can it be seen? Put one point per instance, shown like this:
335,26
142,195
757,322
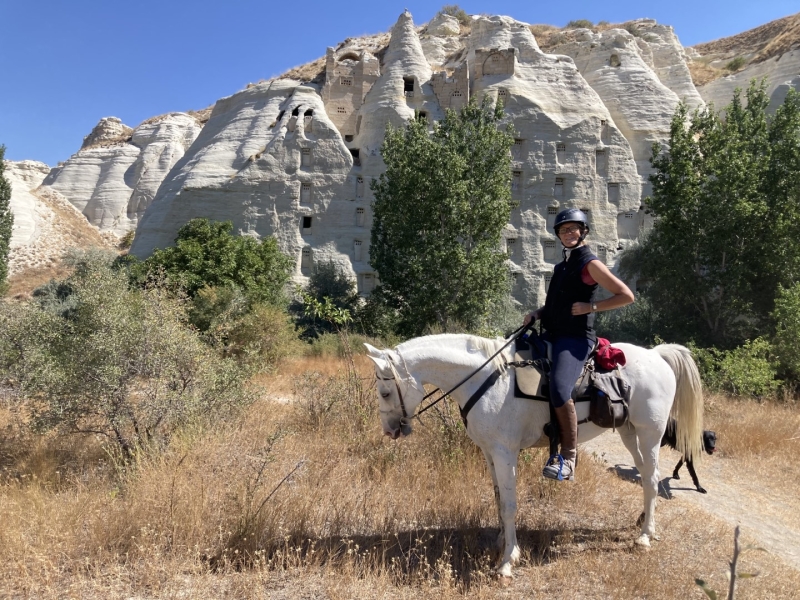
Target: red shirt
586,277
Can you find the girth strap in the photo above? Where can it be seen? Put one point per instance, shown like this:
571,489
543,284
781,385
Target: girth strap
477,395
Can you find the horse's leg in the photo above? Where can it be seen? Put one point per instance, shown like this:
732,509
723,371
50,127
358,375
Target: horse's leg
505,466
650,443
490,463
627,434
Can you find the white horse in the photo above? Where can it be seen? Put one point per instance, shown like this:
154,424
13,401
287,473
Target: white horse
664,383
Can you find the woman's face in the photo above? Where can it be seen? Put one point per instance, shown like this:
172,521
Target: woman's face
570,234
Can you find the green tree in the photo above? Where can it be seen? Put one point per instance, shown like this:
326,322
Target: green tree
6,220
206,254
438,212
724,196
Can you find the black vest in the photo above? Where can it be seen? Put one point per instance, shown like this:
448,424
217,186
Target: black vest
565,289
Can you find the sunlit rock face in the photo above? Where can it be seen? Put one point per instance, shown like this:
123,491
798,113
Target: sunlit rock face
115,175
46,225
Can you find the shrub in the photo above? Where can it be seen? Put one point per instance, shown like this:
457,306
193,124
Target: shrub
454,10
748,370
786,316
119,362
636,323
736,64
579,24
329,281
126,241
206,254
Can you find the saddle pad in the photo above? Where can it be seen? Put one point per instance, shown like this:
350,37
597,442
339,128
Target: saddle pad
530,382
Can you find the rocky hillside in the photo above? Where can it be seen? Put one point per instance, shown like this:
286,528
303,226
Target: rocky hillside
294,156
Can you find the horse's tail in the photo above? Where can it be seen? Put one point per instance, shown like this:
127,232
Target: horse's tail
687,409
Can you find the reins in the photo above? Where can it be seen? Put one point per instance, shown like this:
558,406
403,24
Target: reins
511,339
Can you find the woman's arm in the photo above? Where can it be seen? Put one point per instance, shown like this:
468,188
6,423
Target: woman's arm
622,295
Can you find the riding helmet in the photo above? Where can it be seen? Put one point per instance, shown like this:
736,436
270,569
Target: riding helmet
570,215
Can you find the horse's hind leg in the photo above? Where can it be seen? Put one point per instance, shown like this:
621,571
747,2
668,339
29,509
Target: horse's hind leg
627,434
650,442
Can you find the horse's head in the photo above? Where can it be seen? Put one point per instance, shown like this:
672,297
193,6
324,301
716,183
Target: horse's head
399,393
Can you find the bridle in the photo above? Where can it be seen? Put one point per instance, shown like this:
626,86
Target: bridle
404,420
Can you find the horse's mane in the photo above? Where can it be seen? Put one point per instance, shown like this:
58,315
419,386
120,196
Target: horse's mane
485,346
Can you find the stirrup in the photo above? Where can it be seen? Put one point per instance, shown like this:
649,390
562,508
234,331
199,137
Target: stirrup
551,472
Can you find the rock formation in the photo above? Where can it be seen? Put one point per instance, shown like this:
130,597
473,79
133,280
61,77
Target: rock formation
45,223
115,175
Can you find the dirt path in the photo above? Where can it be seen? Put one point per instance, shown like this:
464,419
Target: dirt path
769,516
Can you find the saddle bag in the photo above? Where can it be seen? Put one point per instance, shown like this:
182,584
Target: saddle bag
608,404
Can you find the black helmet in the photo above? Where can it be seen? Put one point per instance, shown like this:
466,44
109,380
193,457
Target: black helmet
570,215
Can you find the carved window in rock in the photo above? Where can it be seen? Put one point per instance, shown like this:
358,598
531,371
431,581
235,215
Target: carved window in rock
359,217
305,157
341,110
357,250
601,163
422,116
516,277
516,182
305,225
296,111
549,250
502,96
552,211
356,154
604,132
587,212
558,188
602,254
408,87
306,259
367,283
345,81
359,187
518,150
308,120
561,153
456,94
630,215
348,138
511,245
547,279
613,193
305,192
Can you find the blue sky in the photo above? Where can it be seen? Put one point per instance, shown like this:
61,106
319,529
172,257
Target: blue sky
64,64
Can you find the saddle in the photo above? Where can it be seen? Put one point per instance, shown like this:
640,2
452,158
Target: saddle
606,390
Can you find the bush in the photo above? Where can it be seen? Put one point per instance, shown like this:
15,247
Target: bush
786,316
330,281
579,24
736,64
117,362
454,10
748,370
206,254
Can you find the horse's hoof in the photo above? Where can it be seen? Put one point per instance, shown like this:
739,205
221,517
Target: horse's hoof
504,580
643,541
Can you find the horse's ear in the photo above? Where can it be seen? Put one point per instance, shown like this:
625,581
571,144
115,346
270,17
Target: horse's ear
372,351
380,362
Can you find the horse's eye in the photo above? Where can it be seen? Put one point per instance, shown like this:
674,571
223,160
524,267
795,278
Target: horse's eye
385,394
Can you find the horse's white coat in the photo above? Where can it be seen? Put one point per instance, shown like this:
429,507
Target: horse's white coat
502,425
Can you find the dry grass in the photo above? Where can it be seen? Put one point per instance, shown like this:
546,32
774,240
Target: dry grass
361,516
768,40
313,71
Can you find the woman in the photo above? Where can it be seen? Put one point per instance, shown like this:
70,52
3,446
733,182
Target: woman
568,318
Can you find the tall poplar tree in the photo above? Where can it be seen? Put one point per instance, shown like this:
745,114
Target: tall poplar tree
438,213
725,197
6,219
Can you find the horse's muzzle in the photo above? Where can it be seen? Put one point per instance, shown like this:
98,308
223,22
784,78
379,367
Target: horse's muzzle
404,430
